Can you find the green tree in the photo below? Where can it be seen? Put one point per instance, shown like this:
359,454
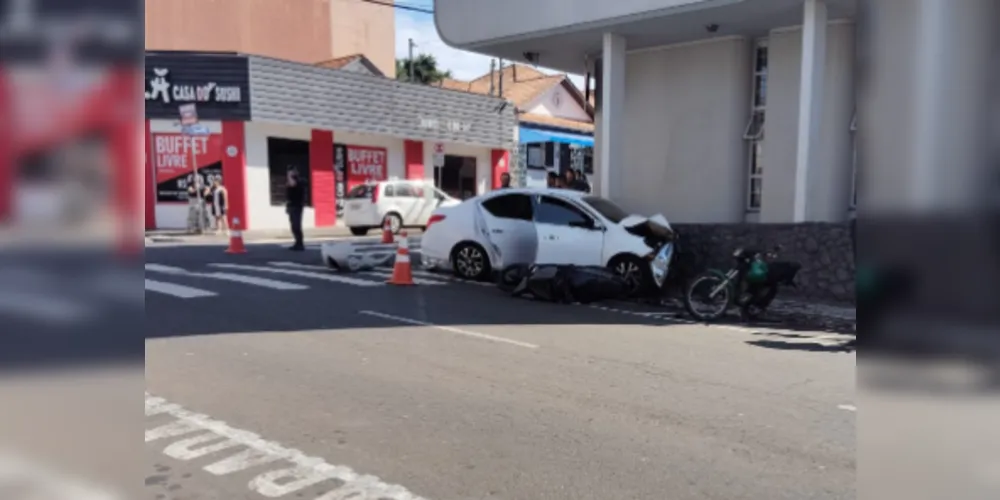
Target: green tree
425,70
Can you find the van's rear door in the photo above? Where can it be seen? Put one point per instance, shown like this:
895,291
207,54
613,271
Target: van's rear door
359,210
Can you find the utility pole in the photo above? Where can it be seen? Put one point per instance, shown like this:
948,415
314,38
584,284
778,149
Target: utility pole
410,62
501,78
493,76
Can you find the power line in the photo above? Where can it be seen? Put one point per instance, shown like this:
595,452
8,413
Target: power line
411,8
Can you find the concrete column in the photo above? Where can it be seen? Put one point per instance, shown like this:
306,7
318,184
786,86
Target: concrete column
923,109
952,86
612,119
810,99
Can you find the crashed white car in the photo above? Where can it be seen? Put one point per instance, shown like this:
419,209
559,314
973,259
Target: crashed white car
548,226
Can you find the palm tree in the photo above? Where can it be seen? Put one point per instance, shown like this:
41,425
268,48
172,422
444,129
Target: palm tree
425,70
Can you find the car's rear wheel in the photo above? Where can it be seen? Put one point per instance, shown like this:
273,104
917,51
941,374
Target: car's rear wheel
470,261
636,272
394,221
359,231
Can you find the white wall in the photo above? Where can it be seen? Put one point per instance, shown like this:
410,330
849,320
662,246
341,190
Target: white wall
462,22
260,212
569,108
174,215
686,107
829,181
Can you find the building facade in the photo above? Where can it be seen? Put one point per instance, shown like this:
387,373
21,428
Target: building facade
729,111
555,120
307,31
260,116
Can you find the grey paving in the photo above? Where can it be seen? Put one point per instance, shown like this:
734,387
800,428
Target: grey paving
415,386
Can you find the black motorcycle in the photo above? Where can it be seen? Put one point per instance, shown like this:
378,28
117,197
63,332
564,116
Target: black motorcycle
751,284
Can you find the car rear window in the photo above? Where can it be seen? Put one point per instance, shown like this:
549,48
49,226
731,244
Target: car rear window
606,208
364,191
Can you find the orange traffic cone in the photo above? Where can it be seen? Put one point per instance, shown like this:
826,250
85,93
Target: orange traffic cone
402,273
387,232
236,238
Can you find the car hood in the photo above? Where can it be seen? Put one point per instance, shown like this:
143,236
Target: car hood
655,230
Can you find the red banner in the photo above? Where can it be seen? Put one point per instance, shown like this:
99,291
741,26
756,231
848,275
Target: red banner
366,164
173,157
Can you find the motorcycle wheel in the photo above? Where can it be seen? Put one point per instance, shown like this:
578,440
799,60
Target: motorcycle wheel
700,288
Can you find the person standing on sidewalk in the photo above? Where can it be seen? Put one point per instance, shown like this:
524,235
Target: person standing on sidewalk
295,198
220,199
575,183
504,180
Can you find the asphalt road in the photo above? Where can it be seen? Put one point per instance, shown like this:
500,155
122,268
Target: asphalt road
305,387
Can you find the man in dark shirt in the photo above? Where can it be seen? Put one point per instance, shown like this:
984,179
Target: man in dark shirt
574,183
295,199
504,180
553,180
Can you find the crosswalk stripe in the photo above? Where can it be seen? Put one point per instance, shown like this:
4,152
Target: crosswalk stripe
292,272
179,291
439,278
386,274
238,278
40,306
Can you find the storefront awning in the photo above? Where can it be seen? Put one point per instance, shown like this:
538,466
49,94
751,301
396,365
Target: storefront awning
532,135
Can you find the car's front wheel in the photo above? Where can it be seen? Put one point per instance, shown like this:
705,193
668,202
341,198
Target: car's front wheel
470,261
636,272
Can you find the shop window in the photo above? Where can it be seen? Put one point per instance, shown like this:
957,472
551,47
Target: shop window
536,156
510,206
754,132
282,156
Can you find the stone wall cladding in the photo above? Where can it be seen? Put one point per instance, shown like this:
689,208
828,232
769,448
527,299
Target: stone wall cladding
823,249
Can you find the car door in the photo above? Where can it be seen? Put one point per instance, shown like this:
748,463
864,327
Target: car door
504,221
566,234
408,204
427,200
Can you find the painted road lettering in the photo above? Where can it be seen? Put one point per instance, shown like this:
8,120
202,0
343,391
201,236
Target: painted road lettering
293,471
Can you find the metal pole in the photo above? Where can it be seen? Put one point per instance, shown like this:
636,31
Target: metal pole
199,209
411,60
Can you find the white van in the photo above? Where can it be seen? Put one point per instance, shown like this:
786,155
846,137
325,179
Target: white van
400,203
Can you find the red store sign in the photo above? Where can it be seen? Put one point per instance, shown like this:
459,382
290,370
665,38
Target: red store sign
366,164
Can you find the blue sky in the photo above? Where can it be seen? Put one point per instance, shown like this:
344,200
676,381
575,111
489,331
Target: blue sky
420,27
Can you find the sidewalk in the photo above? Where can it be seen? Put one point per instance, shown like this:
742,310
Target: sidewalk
182,236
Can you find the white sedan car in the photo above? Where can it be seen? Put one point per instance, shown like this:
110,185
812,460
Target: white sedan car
547,226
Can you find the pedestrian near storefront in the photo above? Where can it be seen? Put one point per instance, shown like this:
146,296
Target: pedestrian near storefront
295,198
504,180
575,183
553,181
220,202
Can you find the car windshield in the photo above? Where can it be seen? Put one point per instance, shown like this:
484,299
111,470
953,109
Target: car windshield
606,208
362,191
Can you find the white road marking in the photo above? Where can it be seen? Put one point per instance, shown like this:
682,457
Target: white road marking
848,407
417,273
30,479
179,291
386,274
238,278
41,306
304,274
458,331
305,471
